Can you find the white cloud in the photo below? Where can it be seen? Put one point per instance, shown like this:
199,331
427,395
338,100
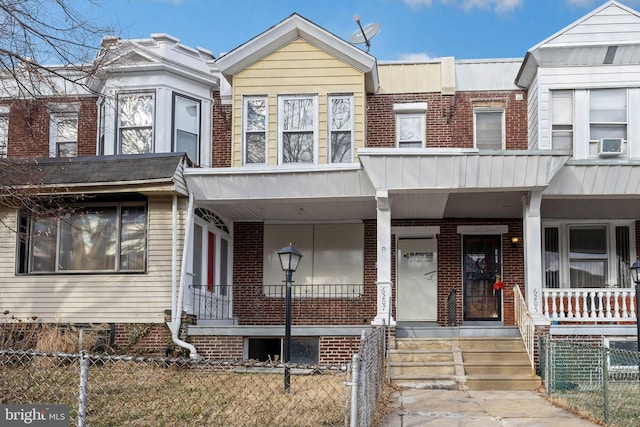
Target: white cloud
499,6
414,57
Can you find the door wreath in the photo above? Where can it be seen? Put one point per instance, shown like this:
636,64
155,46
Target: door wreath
482,264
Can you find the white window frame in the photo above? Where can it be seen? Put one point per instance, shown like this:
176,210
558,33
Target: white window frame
245,128
54,120
330,131
176,126
313,129
594,141
119,128
4,131
560,128
564,280
411,110
58,222
484,110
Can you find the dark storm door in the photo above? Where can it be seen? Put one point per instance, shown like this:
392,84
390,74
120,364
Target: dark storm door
482,266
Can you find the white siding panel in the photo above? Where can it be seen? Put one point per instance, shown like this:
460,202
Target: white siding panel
85,298
534,119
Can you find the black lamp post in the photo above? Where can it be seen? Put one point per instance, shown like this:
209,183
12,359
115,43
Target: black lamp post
289,259
635,276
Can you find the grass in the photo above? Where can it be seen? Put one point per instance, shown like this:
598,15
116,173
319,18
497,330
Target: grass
142,394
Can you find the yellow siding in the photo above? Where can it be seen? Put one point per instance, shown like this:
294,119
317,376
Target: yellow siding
85,298
298,68
410,78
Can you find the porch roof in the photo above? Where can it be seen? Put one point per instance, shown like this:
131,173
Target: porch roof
460,170
341,192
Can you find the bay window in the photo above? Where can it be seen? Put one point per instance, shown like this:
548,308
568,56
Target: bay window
186,126
135,122
98,238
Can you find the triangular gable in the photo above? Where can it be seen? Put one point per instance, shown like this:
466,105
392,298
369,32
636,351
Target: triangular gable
292,28
612,24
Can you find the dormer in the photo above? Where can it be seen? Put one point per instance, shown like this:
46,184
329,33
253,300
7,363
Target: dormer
584,86
298,94
155,97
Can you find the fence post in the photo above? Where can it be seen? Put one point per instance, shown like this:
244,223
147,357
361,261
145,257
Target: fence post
84,382
355,380
547,364
605,384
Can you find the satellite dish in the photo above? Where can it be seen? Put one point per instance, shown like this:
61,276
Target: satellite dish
365,34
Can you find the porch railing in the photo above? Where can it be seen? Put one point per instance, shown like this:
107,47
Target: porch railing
212,303
526,325
258,304
590,304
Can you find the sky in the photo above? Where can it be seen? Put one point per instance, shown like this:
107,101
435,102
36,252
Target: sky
409,29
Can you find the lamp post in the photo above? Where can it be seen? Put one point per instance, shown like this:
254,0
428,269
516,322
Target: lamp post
635,276
289,259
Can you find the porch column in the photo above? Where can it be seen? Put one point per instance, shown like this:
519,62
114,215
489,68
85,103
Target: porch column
533,256
383,259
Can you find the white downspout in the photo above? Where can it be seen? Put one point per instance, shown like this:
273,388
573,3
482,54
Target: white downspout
177,303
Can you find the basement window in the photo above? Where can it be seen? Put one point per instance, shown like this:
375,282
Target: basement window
304,350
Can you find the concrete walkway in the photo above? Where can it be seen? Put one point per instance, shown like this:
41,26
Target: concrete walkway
450,408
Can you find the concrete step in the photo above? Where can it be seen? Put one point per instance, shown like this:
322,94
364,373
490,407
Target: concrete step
498,368
417,369
503,382
423,344
430,382
419,356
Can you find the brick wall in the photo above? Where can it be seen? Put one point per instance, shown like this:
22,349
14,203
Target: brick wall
338,350
29,123
227,348
449,119
221,137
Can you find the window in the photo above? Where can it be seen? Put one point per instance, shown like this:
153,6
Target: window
135,122
340,120
186,126
562,119
255,130
109,238
4,135
410,124
587,255
64,135
608,114
297,128
489,128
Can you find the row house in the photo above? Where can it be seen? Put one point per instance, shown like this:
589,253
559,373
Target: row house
445,195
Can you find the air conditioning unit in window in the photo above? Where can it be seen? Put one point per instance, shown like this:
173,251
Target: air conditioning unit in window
611,147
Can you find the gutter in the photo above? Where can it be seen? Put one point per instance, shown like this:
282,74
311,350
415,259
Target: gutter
177,303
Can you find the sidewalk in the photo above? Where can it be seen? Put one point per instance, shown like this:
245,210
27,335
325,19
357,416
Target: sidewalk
449,408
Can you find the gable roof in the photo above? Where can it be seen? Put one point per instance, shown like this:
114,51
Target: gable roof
292,28
133,172
586,42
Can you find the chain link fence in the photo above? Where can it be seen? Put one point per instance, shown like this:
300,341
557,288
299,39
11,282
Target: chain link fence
109,390
144,391
593,379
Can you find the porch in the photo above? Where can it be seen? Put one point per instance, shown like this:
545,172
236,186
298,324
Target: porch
590,305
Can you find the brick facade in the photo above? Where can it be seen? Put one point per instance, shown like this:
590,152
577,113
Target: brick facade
449,118
29,123
221,137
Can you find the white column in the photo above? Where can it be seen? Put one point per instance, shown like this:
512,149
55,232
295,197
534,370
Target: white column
533,256
383,259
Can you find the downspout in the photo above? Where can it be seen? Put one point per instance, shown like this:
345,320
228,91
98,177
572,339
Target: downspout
177,303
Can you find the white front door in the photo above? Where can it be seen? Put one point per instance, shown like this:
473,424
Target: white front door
417,280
